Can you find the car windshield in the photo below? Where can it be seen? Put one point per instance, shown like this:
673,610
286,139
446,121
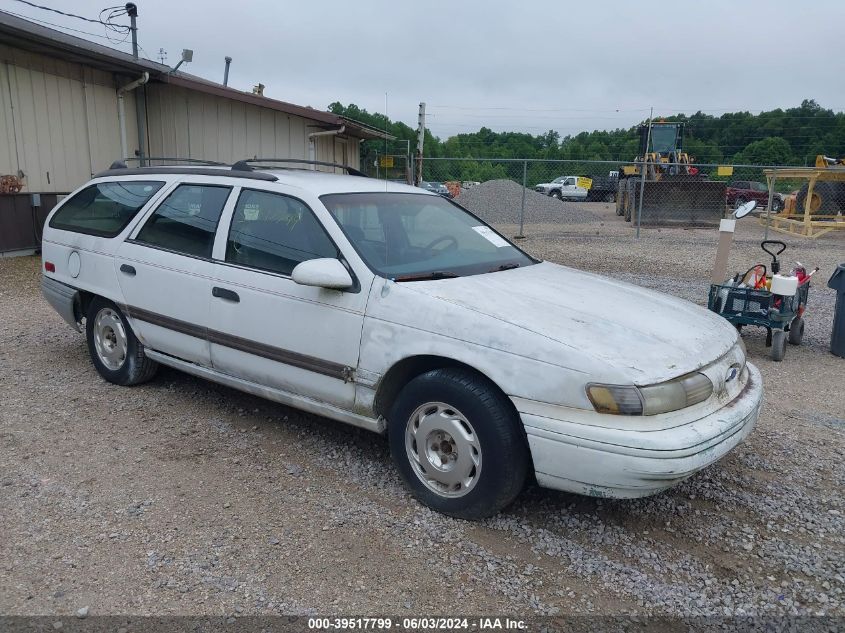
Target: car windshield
561,179
408,237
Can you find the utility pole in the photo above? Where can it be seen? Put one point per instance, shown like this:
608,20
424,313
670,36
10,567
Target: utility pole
420,142
141,91
132,12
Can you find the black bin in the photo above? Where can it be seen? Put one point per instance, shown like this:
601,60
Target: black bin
837,337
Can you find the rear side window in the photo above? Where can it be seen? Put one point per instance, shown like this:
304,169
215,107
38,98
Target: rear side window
104,209
187,220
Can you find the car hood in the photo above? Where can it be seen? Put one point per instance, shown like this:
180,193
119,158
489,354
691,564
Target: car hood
647,335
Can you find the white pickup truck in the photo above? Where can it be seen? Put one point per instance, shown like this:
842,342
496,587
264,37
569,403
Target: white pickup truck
564,188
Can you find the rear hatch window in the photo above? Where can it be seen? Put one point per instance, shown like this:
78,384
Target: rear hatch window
105,208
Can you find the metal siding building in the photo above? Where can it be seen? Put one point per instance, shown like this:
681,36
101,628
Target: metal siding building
59,121
187,123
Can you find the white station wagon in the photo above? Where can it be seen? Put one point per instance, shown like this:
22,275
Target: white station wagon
394,309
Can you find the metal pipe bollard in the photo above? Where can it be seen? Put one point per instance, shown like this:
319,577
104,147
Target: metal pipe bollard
837,336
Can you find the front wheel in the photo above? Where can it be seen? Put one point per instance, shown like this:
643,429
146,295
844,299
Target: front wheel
458,443
778,345
116,352
796,331
555,194
739,202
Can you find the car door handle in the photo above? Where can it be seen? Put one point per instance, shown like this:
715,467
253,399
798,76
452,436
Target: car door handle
129,270
224,293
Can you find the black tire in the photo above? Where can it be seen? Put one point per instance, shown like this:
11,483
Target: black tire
796,331
132,367
828,198
502,454
609,196
620,198
555,193
778,345
630,200
739,202
777,205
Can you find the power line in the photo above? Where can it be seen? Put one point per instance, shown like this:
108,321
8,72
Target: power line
60,26
471,108
735,110
80,17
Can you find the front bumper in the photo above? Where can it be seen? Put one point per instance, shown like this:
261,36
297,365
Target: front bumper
622,463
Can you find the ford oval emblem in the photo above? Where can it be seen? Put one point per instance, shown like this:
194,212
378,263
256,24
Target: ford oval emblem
733,372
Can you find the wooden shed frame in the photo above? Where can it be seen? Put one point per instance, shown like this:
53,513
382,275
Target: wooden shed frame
804,223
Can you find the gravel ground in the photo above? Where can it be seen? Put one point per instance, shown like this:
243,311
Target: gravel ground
182,497
500,202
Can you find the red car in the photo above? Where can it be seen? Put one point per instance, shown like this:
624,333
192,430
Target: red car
741,191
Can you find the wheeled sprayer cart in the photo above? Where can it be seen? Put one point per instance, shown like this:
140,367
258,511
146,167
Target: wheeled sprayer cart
767,299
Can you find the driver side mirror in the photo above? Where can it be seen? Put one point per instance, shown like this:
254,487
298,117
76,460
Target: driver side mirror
745,209
325,272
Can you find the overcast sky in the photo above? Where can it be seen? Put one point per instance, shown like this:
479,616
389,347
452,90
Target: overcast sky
527,66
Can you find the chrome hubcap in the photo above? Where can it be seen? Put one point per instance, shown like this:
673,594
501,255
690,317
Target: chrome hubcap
110,339
443,449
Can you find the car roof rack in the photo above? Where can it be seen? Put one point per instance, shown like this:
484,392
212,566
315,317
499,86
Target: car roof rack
121,164
202,168
248,165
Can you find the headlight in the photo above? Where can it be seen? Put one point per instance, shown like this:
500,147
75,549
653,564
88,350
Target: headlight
661,398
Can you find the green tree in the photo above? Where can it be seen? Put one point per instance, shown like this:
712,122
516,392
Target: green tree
769,151
790,136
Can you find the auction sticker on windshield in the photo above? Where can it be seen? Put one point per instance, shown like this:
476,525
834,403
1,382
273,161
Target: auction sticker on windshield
490,235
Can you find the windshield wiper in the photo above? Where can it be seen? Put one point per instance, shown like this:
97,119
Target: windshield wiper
506,267
437,274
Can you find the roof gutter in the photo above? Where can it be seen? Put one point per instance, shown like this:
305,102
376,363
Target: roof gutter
312,144
121,115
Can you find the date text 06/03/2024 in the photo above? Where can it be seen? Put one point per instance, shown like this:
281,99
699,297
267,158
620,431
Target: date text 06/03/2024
417,623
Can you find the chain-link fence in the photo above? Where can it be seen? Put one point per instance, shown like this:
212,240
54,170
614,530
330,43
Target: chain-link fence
534,191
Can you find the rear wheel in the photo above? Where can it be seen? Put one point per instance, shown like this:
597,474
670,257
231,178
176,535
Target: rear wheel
778,345
117,354
777,205
796,331
458,443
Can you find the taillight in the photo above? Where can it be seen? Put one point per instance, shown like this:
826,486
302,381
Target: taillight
50,267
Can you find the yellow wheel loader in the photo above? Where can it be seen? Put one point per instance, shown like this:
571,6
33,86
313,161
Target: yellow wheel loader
674,192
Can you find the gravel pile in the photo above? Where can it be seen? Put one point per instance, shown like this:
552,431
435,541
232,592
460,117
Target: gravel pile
183,497
500,202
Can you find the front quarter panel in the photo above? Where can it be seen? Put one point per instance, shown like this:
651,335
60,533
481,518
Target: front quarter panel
401,323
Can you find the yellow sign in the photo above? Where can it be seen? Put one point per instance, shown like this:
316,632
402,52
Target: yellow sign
386,161
725,170
585,183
